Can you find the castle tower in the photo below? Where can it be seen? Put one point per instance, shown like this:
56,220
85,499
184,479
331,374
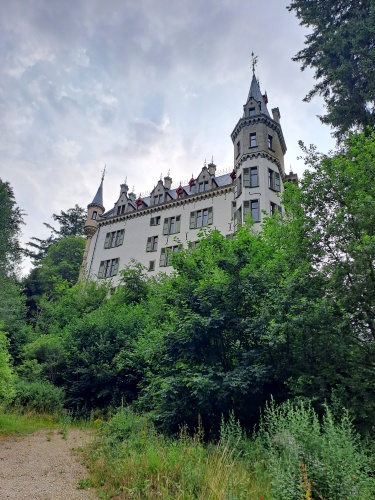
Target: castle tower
259,150
94,210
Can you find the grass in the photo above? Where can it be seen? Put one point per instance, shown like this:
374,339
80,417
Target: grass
15,423
18,422
129,459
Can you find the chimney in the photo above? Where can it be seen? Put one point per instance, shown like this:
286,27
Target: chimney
212,168
276,115
167,182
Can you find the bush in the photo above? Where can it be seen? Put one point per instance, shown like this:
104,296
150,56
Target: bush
38,396
312,459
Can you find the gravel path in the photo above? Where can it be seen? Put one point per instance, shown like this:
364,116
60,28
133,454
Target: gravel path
42,466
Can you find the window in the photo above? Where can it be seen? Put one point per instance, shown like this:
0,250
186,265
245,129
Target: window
114,239
238,186
120,209
108,268
237,217
159,198
252,206
151,265
269,142
155,221
275,209
94,215
166,255
238,148
203,186
251,111
253,140
201,218
152,244
250,177
172,225
273,180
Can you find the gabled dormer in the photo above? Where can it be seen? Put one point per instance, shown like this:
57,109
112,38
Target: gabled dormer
121,205
158,194
206,179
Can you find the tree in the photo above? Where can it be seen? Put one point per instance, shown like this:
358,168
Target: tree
72,223
341,49
338,199
12,305
11,220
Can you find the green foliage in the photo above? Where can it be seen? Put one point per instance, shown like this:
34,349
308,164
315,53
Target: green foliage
38,396
72,223
11,220
14,423
308,457
7,377
130,459
340,47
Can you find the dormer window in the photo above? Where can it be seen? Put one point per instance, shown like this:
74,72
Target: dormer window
252,111
159,198
203,186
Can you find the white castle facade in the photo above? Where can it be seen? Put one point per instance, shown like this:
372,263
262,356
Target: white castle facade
150,229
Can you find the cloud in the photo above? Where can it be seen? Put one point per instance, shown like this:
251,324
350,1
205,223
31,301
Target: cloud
144,87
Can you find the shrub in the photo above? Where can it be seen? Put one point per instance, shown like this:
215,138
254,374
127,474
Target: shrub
38,396
312,459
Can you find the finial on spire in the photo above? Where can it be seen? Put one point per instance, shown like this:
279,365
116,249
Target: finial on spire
205,163
161,176
169,172
126,179
212,158
254,61
103,174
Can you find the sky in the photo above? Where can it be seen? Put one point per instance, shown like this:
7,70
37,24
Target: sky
145,87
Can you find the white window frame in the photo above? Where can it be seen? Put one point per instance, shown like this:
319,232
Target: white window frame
172,224
108,268
114,239
199,216
152,244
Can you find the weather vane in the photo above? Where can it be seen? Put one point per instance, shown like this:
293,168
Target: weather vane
255,61
103,174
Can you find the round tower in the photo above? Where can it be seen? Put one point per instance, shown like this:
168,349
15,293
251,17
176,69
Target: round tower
94,210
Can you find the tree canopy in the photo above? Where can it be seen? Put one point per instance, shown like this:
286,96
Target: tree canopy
341,50
71,222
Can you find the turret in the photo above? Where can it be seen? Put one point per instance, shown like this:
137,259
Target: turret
94,210
259,149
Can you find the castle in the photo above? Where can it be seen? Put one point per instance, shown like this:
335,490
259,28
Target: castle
149,229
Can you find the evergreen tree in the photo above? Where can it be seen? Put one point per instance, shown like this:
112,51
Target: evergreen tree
341,50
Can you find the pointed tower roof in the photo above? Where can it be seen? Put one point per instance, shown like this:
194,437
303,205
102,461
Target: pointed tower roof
98,198
256,94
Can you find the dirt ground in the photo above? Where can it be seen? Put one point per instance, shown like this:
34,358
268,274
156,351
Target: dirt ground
43,466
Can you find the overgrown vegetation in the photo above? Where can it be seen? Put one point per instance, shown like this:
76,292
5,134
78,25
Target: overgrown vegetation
249,372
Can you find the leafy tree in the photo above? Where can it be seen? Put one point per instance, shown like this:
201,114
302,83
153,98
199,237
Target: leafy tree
7,376
55,273
340,47
72,223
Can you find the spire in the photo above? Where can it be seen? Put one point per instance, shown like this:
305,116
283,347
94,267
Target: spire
255,92
98,198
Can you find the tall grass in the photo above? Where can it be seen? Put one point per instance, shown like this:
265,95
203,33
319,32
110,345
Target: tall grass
129,459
